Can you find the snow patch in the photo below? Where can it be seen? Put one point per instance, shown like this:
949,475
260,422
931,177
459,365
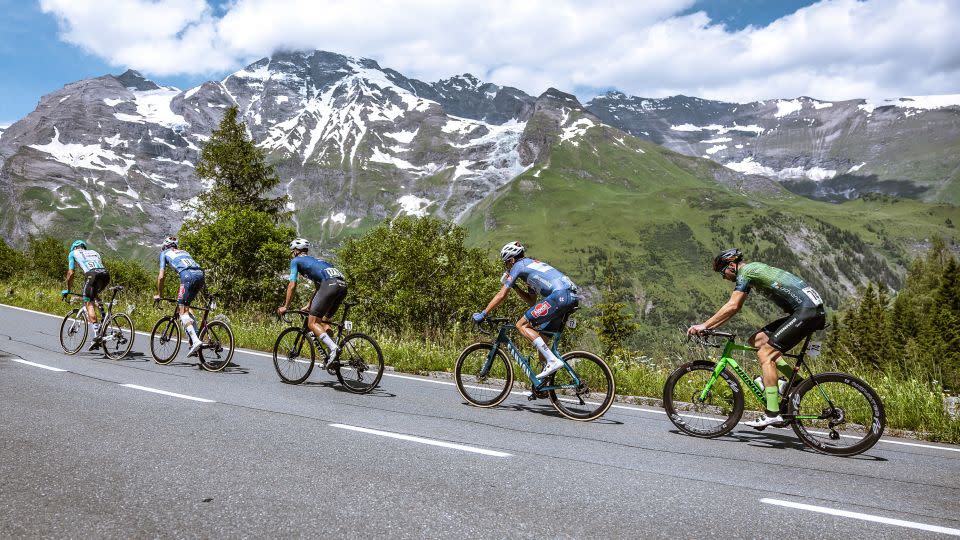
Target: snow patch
717,140
87,156
112,102
339,217
403,136
412,205
719,129
381,157
281,99
576,129
785,107
714,149
856,168
822,105
749,166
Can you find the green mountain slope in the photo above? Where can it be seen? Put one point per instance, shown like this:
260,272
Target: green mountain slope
657,218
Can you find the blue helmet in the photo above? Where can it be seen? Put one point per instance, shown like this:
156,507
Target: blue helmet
77,244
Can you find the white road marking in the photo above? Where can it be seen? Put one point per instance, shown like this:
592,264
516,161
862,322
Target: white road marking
164,392
516,393
421,440
34,364
864,517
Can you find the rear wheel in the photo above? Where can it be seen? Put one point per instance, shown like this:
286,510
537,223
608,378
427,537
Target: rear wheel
359,363
73,331
165,340
837,414
217,349
118,337
483,388
594,394
293,356
693,413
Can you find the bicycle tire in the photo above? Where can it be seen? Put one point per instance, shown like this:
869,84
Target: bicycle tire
73,326
217,350
354,360
291,357
596,383
169,335
862,423
724,403
469,365
118,336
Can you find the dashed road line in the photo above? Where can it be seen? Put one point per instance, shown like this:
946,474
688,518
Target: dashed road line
421,440
34,364
864,517
164,392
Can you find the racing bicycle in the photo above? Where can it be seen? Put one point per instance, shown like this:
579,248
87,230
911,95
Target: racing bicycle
583,389
216,336
116,330
832,413
359,362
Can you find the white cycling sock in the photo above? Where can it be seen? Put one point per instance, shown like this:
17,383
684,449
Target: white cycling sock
325,338
95,327
187,323
545,350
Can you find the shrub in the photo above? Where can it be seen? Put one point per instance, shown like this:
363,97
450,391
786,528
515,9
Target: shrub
47,257
11,261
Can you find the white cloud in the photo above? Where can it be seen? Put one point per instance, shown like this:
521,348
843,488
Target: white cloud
835,49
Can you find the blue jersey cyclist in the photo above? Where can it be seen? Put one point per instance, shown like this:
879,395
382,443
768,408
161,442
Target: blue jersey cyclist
191,283
95,280
559,297
331,289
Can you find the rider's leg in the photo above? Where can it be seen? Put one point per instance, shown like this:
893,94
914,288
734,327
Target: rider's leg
186,320
768,356
529,332
321,329
92,316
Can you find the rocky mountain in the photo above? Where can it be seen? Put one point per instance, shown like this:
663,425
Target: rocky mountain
834,151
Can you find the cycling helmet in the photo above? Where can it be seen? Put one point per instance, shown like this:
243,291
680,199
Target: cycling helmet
721,261
168,242
300,243
511,250
77,244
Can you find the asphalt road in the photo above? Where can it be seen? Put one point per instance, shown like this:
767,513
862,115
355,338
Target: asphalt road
88,448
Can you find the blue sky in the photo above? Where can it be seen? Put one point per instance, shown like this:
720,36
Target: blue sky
721,49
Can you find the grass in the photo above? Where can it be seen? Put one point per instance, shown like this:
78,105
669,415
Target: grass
913,408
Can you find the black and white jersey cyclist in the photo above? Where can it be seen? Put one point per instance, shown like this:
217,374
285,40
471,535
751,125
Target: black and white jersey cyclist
331,289
558,297
95,280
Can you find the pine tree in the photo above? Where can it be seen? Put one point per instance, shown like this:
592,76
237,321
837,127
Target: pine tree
612,325
945,323
238,169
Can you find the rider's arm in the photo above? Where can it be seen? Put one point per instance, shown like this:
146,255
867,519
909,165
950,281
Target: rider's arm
71,263
160,283
728,310
497,298
292,286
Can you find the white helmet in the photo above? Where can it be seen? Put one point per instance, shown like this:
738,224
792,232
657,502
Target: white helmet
168,242
511,250
300,243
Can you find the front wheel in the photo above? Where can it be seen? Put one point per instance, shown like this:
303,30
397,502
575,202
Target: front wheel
837,414
483,381
699,411
359,363
587,387
293,355
217,349
118,337
165,340
73,331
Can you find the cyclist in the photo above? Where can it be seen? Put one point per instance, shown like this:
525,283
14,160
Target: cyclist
331,289
801,302
191,283
95,279
559,298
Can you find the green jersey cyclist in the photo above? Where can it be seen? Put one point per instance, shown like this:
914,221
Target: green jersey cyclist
559,298
95,280
331,289
805,315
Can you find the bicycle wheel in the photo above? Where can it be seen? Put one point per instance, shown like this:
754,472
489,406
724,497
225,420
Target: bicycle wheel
217,349
486,389
592,397
837,414
73,331
165,340
118,336
359,363
292,362
712,416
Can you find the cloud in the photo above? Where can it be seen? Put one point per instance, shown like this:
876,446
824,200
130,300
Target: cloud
835,49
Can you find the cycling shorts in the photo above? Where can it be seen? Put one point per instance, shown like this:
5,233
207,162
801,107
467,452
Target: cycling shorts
94,282
548,314
328,297
785,333
191,283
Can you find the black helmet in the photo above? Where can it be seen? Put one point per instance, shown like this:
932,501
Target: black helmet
732,255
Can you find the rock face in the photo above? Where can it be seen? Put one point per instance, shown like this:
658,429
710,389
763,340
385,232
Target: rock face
827,150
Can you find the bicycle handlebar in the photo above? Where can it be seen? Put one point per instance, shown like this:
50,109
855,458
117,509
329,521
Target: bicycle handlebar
286,315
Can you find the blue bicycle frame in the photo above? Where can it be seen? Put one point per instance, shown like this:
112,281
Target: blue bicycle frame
521,360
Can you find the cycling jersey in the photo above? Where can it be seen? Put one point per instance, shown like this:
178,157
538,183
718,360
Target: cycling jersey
178,259
539,276
786,290
86,259
315,269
